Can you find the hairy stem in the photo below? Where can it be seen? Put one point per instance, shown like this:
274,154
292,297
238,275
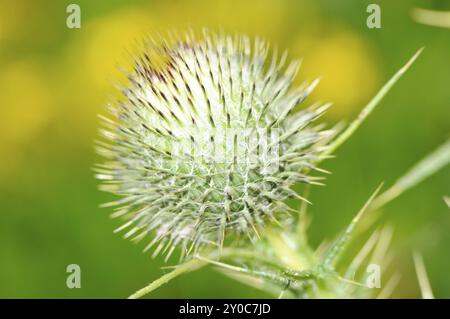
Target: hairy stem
181,269
197,263
423,169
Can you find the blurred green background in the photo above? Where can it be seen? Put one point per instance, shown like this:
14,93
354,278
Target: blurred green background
54,81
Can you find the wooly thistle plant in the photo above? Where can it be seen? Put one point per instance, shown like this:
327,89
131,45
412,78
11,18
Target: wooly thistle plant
204,149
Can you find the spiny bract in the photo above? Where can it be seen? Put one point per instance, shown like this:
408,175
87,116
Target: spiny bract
206,143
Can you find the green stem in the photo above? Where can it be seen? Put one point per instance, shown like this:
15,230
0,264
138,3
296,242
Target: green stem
195,264
183,268
432,163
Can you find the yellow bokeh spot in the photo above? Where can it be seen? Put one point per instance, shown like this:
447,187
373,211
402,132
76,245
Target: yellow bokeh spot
346,65
25,101
255,17
94,62
12,14
25,109
106,44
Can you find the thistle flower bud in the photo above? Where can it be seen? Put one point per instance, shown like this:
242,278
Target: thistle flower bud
206,143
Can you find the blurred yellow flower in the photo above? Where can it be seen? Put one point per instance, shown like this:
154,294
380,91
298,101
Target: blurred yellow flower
11,15
255,17
346,64
98,51
93,59
25,22
25,109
